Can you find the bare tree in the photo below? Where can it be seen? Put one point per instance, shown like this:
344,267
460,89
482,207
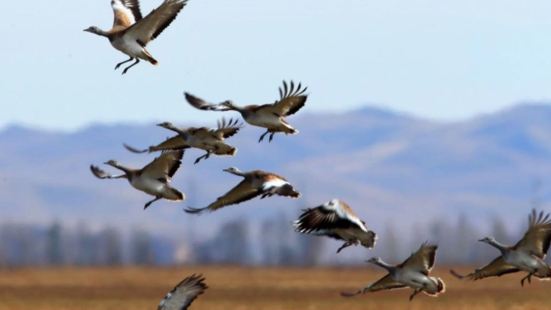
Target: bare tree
141,248
54,252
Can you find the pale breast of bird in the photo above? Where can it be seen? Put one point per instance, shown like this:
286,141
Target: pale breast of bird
129,47
264,120
413,278
148,185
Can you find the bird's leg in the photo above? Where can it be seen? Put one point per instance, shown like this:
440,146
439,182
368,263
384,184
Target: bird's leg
263,135
122,63
267,194
271,137
415,292
345,245
528,277
150,202
205,156
132,65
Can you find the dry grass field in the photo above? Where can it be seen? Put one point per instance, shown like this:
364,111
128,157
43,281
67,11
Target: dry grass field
251,288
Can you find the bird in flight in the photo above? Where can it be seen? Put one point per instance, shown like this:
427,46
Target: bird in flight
210,140
526,255
183,294
270,116
255,183
131,33
153,179
414,272
337,220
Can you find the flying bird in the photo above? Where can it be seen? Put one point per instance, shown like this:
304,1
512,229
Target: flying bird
270,116
526,255
337,220
131,33
153,179
207,139
414,273
183,294
255,183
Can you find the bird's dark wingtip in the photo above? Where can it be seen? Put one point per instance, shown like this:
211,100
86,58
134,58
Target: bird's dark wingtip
456,274
350,294
191,210
133,149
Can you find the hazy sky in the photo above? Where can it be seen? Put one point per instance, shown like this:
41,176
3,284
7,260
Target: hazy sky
437,59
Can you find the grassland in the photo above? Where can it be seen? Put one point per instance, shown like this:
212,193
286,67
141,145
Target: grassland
251,288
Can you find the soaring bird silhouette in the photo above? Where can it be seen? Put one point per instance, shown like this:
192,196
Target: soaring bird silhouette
183,294
270,116
153,179
414,272
337,220
210,140
255,183
131,33
527,255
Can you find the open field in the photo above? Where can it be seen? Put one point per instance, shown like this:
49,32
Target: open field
251,288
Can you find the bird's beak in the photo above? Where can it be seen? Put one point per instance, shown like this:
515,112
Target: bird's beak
481,240
87,30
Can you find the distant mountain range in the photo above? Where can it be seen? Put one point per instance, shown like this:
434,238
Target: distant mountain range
390,167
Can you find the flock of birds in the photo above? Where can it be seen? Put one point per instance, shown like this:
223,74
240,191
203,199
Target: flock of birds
130,34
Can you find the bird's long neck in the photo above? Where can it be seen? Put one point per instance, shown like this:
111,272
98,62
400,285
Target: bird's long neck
127,171
238,173
100,32
232,106
500,246
177,130
384,265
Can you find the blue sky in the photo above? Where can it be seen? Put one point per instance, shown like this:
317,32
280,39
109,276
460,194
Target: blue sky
442,60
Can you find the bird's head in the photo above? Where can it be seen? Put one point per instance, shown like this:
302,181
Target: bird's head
374,260
332,203
112,162
232,170
93,29
228,103
487,240
167,125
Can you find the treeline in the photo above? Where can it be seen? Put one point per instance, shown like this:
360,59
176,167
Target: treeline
269,242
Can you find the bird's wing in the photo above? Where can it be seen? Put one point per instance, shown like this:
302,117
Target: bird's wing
174,143
495,268
538,236
385,283
134,7
423,259
201,104
99,173
326,218
184,293
148,28
228,128
291,99
241,192
126,13
164,166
